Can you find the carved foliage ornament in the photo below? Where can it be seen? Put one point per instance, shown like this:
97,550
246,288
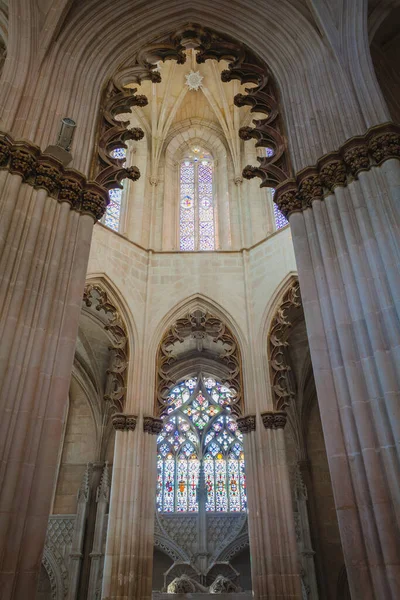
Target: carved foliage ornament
152,425
46,172
335,169
247,424
243,65
96,298
277,344
123,422
274,419
199,325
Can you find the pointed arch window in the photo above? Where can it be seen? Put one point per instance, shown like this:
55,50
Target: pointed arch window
112,216
200,450
197,213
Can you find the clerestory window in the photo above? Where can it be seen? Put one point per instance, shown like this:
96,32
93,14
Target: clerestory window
200,450
197,213
112,216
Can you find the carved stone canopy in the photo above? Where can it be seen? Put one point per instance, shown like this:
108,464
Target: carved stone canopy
198,336
243,65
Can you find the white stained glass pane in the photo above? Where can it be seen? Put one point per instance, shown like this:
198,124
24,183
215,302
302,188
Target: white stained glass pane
233,485
119,153
160,473
280,219
169,484
113,211
210,483
243,490
193,475
187,206
182,485
206,208
221,498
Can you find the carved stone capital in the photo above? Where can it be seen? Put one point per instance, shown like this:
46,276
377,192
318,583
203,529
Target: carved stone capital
332,172
274,419
287,198
246,424
152,425
355,155
41,170
123,422
309,187
383,146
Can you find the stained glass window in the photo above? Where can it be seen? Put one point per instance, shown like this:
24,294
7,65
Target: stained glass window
113,212
200,450
196,215
280,219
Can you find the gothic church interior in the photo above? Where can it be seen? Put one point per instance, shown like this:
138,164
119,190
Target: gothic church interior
199,315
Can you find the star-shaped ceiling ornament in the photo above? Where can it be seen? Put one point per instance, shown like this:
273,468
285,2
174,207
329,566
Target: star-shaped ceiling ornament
194,80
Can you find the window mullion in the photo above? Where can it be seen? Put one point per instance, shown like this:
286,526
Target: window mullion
196,208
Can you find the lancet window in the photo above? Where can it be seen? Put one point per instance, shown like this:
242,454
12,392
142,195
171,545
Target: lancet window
197,214
200,450
280,219
112,216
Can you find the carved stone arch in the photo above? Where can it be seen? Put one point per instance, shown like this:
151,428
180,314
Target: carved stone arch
205,327
57,572
289,309
169,547
235,547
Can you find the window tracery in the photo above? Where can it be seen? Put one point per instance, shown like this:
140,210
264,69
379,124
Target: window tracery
280,219
200,450
196,215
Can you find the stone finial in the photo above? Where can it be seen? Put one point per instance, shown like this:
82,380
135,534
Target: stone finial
84,490
152,425
123,422
103,491
247,424
274,419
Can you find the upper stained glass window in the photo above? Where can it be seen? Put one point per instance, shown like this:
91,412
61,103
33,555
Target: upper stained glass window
196,215
112,215
200,450
280,219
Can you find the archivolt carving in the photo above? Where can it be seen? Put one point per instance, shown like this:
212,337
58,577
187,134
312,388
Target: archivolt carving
58,574
279,368
198,325
96,297
244,65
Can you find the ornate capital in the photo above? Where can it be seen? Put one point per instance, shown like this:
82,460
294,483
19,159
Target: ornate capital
152,425
358,154
274,419
123,422
247,424
44,171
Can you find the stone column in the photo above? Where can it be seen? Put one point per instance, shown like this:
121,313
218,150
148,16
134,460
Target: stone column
75,556
46,221
130,536
344,217
97,553
274,562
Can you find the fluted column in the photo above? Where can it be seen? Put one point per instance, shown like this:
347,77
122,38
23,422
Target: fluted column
46,221
344,218
274,561
130,536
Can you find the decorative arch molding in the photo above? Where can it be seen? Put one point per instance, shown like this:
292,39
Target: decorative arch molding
288,311
55,568
198,324
166,545
243,65
196,123
212,141
240,543
97,300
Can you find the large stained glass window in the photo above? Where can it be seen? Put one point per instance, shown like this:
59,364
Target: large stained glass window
112,215
196,215
200,450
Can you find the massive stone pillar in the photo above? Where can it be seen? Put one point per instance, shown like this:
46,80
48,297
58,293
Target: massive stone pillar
344,218
275,568
46,221
130,535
